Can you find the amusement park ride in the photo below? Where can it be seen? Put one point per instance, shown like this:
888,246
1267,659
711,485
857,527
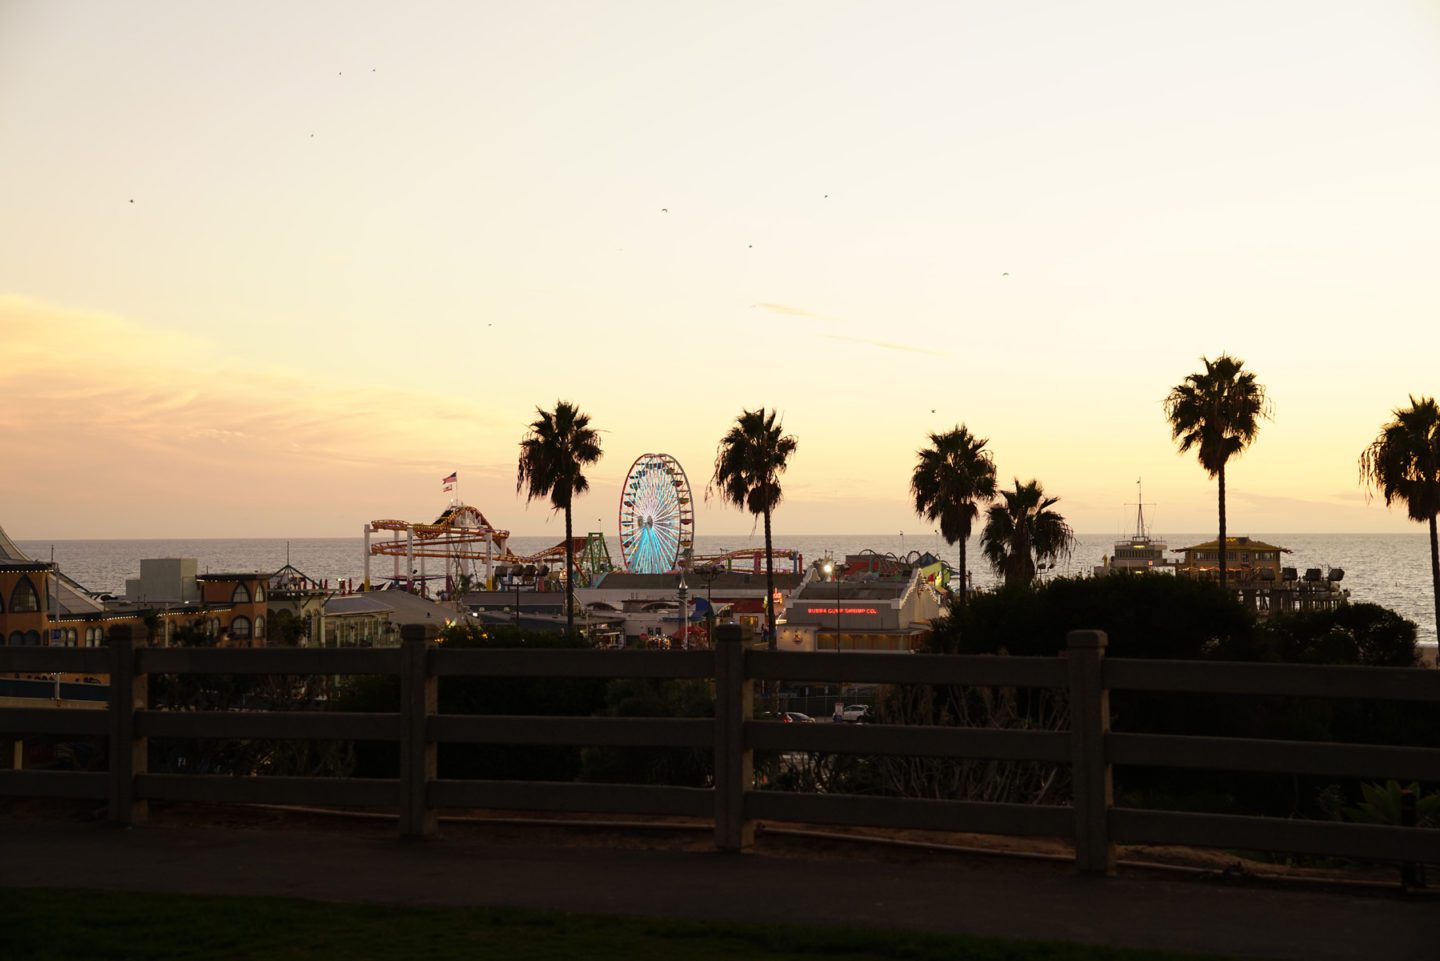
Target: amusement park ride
656,527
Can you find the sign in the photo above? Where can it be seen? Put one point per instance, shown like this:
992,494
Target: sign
841,610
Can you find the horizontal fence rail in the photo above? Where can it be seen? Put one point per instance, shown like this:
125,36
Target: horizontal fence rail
734,801
976,817
911,740
640,799
976,670
65,660
589,731
572,663
1296,680
267,660
1278,757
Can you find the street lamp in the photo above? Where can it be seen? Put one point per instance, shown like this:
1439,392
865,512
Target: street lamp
708,573
831,573
683,590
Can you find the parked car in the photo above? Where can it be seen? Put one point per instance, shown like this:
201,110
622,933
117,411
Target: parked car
795,717
855,713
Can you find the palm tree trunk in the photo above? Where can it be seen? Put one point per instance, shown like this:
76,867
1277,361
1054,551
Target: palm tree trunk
1222,526
1435,570
770,638
569,575
964,587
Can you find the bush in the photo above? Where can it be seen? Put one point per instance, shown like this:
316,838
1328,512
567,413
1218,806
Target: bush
473,695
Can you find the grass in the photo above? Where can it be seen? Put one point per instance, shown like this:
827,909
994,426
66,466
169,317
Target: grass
40,924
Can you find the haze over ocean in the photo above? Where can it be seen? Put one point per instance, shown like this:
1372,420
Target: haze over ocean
1392,570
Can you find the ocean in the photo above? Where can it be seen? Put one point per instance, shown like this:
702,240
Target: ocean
1392,570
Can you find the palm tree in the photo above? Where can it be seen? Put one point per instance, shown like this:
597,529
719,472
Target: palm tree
1218,413
953,473
1404,464
559,445
1024,532
748,463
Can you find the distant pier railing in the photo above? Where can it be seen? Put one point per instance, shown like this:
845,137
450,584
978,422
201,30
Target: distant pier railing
1092,822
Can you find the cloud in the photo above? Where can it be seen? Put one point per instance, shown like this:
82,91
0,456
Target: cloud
86,374
886,345
791,311
1351,499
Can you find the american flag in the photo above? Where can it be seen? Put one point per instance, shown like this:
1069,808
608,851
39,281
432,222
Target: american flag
449,482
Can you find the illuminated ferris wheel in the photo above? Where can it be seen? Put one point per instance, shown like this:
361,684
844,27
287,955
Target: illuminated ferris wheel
657,519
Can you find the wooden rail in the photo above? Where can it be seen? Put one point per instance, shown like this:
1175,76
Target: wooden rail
1093,822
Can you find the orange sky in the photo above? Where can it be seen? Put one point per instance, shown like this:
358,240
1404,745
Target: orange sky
277,282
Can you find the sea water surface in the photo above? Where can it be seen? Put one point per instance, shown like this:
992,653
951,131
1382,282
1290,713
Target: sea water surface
1392,570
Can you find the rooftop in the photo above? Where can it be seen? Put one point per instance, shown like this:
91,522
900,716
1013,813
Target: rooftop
697,581
1233,543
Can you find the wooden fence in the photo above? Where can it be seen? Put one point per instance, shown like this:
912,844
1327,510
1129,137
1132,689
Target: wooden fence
1093,822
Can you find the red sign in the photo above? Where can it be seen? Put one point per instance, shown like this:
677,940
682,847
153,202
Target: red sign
841,610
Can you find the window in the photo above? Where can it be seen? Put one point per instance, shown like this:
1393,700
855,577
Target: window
24,600
16,638
241,595
259,593
240,628
259,628
32,639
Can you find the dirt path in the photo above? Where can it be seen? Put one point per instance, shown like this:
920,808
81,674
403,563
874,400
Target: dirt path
982,896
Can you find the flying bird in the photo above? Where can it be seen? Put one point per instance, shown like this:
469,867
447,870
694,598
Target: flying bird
1006,274
664,210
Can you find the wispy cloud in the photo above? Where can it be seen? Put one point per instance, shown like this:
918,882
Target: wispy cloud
887,345
790,311
100,374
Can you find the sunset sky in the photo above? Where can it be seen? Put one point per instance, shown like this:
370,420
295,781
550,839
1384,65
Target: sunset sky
273,269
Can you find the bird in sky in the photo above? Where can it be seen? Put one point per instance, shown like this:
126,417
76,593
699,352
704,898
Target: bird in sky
664,210
1006,274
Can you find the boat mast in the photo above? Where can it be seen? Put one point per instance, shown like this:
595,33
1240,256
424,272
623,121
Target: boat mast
1140,534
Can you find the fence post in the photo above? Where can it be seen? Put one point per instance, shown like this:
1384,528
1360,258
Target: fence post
1090,767
129,754
1412,873
419,701
734,760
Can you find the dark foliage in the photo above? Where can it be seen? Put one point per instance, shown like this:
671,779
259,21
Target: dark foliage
1144,616
1182,619
471,695
646,697
241,692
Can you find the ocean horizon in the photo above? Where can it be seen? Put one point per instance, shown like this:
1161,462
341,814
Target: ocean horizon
1392,570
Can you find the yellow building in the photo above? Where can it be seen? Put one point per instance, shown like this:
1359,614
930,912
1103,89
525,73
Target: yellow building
1244,556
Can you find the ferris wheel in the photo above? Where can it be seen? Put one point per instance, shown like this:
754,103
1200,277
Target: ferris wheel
657,519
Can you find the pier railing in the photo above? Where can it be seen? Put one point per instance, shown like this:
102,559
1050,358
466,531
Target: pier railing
734,801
